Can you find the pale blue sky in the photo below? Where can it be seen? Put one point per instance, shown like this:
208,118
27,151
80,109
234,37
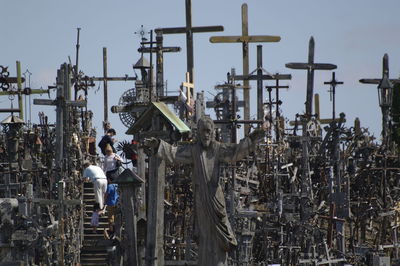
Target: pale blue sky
354,35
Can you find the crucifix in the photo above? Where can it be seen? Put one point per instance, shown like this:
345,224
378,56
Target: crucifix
385,93
310,66
189,30
245,39
333,83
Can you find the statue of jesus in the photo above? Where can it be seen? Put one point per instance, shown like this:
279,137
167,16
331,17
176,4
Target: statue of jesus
216,236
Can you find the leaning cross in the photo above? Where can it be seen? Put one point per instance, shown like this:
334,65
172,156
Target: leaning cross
310,66
189,30
245,39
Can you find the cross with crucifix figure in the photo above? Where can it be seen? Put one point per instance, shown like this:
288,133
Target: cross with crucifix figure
189,30
245,39
310,66
333,83
62,103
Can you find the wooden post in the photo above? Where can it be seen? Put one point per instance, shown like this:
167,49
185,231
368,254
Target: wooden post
155,207
105,84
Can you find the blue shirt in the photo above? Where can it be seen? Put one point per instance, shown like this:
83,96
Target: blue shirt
112,194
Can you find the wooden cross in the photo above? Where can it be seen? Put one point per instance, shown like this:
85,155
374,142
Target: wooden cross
277,87
189,30
8,186
332,219
310,66
188,85
27,91
245,39
105,79
332,91
62,102
159,50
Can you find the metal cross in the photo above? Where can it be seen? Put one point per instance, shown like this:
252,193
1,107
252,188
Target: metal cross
245,39
332,91
310,66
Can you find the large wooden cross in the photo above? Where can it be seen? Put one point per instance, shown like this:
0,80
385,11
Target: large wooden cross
310,66
189,87
62,102
189,30
245,39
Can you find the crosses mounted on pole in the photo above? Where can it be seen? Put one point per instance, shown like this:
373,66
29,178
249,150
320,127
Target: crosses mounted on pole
245,39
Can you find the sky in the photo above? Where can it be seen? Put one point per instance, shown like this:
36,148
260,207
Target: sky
354,35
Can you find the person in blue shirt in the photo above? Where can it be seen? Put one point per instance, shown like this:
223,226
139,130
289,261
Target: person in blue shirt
111,200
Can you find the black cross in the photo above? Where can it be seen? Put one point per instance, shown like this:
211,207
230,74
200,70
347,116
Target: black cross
310,66
332,91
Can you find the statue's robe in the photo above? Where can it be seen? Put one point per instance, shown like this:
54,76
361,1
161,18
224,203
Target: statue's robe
215,233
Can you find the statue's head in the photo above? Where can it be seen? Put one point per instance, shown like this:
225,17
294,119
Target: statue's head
205,131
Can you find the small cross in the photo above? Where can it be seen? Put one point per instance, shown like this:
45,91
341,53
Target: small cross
332,91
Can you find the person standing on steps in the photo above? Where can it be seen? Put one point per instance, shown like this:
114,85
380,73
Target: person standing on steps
108,139
99,180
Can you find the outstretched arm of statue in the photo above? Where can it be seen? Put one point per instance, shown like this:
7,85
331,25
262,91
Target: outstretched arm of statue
171,154
230,152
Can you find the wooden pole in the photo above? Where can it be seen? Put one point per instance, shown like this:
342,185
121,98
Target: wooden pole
105,84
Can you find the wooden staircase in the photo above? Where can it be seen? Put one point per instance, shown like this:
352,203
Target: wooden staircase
94,248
